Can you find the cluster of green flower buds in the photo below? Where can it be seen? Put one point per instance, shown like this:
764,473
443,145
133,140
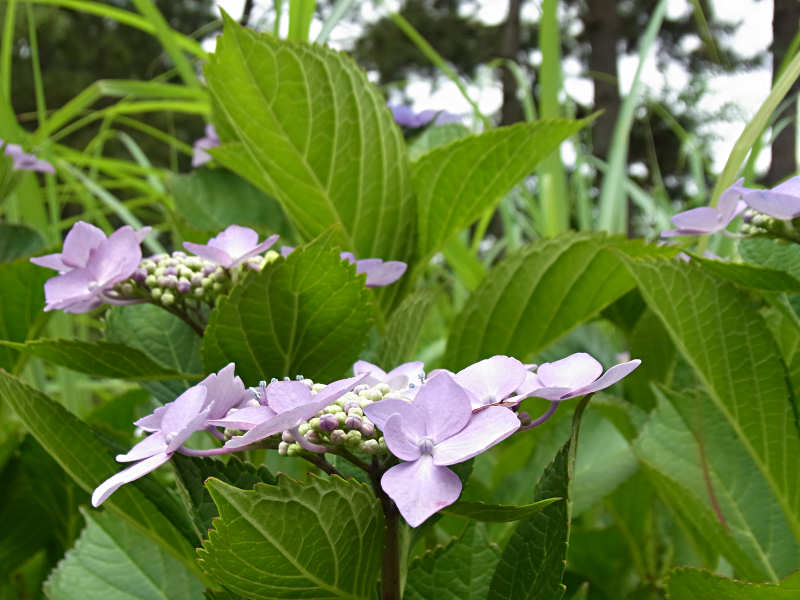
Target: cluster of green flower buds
342,424
758,224
177,279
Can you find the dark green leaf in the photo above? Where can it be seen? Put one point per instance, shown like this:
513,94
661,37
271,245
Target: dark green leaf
459,571
750,276
685,583
193,472
112,559
313,133
404,329
21,313
458,182
496,513
308,314
533,561
17,241
320,539
100,359
775,254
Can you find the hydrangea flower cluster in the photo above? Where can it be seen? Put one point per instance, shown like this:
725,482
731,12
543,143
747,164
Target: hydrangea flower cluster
95,269
409,426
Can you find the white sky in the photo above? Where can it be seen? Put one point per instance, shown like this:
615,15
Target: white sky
745,91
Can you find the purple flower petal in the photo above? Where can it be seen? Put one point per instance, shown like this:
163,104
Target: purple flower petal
286,395
374,372
774,204
68,289
403,436
224,391
529,384
214,255
574,371
444,406
486,428
492,379
286,250
380,273
152,422
231,247
116,258
244,418
110,485
379,412
704,218
420,488
81,240
257,250
51,261
609,378
150,446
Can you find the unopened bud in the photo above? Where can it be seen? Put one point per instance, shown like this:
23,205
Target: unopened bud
353,439
126,289
524,418
341,417
287,437
184,286
367,428
314,423
317,387
167,298
303,428
338,436
156,293
313,437
353,422
283,448
383,388
360,388
294,449
150,281
328,422
370,447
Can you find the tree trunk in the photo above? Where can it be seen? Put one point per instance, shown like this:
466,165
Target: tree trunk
602,31
785,21
511,111
247,12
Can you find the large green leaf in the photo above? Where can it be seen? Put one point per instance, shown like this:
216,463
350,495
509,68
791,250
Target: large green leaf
112,559
532,563
710,481
458,182
497,513
308,314
691,584
21,316
720,332
321,538
312,132
17,241
775,254
462,570
536,295
193,472
89,461
404,329
750,276
101,359
212,199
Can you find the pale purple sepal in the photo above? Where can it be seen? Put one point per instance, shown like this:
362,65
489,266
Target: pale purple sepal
577,375
379,412
492,379
211,140
113,483
420,488
378,272
244,418
397,379
707,219
486,428
405,116
781,202
231,247
23,161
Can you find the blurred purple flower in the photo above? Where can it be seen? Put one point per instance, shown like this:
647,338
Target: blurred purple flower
398,378
433,431
83,288
231,247
706,219
22,161
211,140
379,273
405,116
79,244
780,202
577,375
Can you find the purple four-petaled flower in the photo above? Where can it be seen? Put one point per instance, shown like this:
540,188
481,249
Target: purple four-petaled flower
707,219
577,375
231,247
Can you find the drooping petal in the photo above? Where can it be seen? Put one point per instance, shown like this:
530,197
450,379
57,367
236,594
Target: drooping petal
444,405
142,234
214,255
51,261
486,428
492,379
609,378
150,446
574,371
348,256
79,243
110,485
116,258
420,488
286,395
704,218
403,442
379,412
244,418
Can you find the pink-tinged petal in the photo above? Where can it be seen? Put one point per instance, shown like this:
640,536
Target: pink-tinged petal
235,240
486,428
69,288
374,371
214,255
704,218
225,391
774,204
257,250
379,412
116,258
609,378
574,371
399,377
398,440
493,379
244,418
183,410
150,446
79,243
140,469
152,422
51,261
380,273
445,407
286,395
420,488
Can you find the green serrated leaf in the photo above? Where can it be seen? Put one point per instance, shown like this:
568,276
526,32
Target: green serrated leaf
750,276
775,254
89,461
21,313
404,329
321,538
17,241
101,359
192,473
533,561
708,479
497,513
308,314
111,559
535,296
459,571
685,583
435,136
313,133
721,334
212,199
458,182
